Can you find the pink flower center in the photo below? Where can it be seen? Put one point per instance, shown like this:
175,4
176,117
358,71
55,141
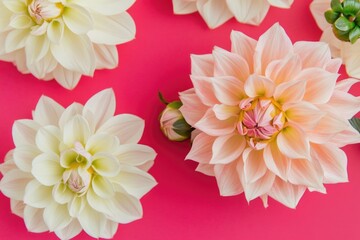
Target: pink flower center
44,10
260,120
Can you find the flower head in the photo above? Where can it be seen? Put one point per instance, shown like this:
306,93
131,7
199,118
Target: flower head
217,12
270,117
79,168
340,32
63,39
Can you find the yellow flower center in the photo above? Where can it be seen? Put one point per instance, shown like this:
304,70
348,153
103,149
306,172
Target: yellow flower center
260,119
44,10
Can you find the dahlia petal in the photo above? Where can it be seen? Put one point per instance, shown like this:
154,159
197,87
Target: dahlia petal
8,163
17,207
107,7
109,229
317,9
249,11
102,187
36,48
260,187
204,90
184,7
304,114
101,143
43,68
290,92
276,161
333,65
15,6
92,221
37,195
134,154
228,179
214,12
106,56
23,156
77,19
351,60
146,166
284,70
313,54
202,65
47,111
76,130
274,44
48,139
62,194
243,46
215,127
344,104
345,137
75,52
286,193
128,128
16,40
333,162
293,143
13,184
71,111
228,90
334,43
320,84
66,78
207,169
56,216
46,169
258,86
112,30
230,64
201,150
224,112
304,172
34,221
105,164
254,165
192,109
5,17
76,206
70,231
55,31
227,148
281,3
346,84
94,107
134,181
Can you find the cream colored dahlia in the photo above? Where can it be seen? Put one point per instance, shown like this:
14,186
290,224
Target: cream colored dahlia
270,117
217,12
348,52
79,168
63,39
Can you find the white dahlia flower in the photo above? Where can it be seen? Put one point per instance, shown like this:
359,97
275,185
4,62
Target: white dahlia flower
63,39
79,168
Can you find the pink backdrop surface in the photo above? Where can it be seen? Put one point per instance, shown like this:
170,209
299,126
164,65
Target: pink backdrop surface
185,204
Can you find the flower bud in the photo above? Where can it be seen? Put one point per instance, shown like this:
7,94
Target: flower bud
172,122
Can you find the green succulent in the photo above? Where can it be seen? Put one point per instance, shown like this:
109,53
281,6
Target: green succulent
345,19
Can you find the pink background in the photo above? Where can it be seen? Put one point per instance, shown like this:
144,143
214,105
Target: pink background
185,204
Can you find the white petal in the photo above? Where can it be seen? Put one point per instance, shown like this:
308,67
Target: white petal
227,148
318,9
95,107
274,44
17,207
257,86
128,128
293,143
101,143
73,229
276,161
75,53
228,90
55,31
214,12
192,109
36,48
204,89
135,154
351,59
243,46
56,216
106,56
313,54
34,220
286,193
76,130
77,19
92,221
249,11
260,187
71,111
16,39
303,172
107,7
136,182
228,179
13,184
106,164
66,78
8,163
15,6
76,206
184,6
46,169
284,70
102,187
202,65
281,3
112,30
211,125
48,139
24,132
254,165
201,149
24,155
290,92
61,193
37,195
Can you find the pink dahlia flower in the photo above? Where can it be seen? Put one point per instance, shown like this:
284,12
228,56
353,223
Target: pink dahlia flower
270,117
217,12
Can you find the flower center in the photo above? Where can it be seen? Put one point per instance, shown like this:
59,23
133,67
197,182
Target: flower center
44,10
260,119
